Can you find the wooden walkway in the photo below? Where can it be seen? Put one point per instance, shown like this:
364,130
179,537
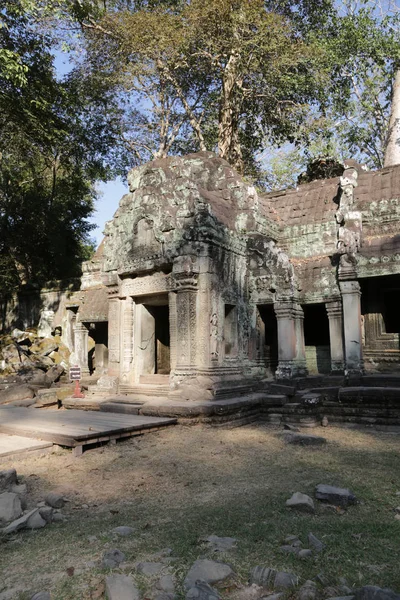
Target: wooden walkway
75,428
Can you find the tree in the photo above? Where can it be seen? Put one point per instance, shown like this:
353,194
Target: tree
230,72
51,153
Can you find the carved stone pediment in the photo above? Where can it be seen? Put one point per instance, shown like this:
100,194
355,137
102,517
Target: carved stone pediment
270,268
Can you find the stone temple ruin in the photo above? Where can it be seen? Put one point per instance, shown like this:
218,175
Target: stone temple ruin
204,289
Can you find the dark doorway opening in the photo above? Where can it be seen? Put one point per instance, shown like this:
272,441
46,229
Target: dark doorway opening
316,338
267,314
98,347
162,345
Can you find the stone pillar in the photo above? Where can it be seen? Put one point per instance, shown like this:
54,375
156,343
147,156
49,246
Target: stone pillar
186,316
291,350
81,335
127,339
334,311
351,299
114,319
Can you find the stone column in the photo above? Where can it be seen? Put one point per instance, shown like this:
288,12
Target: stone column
186,317
127,339
291,350
351,299
334,311
81,335
114,319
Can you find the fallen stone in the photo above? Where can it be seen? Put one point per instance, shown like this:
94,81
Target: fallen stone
341,598
35,521
123,530
46,397
209,571
54,373
166,584
8,478
46,512
308,591
301,502
121,587
202,591
44,347
335,495
372,592
41,596
267,577
317,545
55,499
292,540
305,553
58,518
289,427
19,523
220,544
303,439
150,568
273,596
10,507
112,558
16,392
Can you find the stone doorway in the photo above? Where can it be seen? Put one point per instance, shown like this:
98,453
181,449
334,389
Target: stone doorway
155,346
268,336
317,339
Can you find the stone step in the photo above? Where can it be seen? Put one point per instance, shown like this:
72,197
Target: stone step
155,379
119,407
144,390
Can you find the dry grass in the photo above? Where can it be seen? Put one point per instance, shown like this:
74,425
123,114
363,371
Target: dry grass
184,483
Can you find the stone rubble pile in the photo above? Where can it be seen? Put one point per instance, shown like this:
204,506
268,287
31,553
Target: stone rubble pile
30,366
15,512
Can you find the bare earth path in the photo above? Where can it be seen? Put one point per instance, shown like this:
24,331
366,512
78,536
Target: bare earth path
176,486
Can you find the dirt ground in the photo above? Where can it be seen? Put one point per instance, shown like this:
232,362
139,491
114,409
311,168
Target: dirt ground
183,483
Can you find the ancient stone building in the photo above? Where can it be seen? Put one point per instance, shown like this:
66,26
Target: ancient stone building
209,287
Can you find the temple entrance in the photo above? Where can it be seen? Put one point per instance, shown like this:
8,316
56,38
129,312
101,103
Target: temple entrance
381,322
316,338
97,347
155,337
268,336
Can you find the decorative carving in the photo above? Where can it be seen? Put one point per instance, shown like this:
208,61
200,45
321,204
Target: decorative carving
157,283
349,222
271,269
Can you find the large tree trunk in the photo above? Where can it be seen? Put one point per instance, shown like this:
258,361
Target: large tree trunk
392,151
228,129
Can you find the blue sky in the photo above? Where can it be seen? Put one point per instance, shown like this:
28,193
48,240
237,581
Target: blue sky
110,193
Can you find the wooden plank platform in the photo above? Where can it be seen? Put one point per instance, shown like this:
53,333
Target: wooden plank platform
75,428
15,444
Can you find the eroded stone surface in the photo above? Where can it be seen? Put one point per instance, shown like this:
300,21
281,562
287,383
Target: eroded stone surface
121,587
301,502
209,571
335,495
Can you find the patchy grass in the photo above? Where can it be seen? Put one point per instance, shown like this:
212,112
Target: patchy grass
184,483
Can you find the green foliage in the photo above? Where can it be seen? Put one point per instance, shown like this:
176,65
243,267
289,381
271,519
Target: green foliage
52,153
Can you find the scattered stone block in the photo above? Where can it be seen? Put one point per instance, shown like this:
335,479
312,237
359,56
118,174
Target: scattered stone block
209,571
220,544
150,568
46,512
121,587
16,392
8,478
317,545
202,591
123,531
46,397
372,592
35,521
267,577
301,502
289,549
58,518
305,553
41,596
335,495
10,507
112,558
166,584
19,523
308,591
55,500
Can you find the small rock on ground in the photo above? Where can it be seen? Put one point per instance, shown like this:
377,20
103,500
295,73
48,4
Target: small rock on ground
334,495
166,584
301,502
35,521
267,577
290,549
316,544
112,558
55,500
10,507
41,596
305,553
202,591
308,591
8,477
372,592
121,587
206,570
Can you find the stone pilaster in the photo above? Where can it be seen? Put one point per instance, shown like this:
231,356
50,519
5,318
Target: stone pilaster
291,350
351,299
186,318
127,339
81,335
335,317
114,343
